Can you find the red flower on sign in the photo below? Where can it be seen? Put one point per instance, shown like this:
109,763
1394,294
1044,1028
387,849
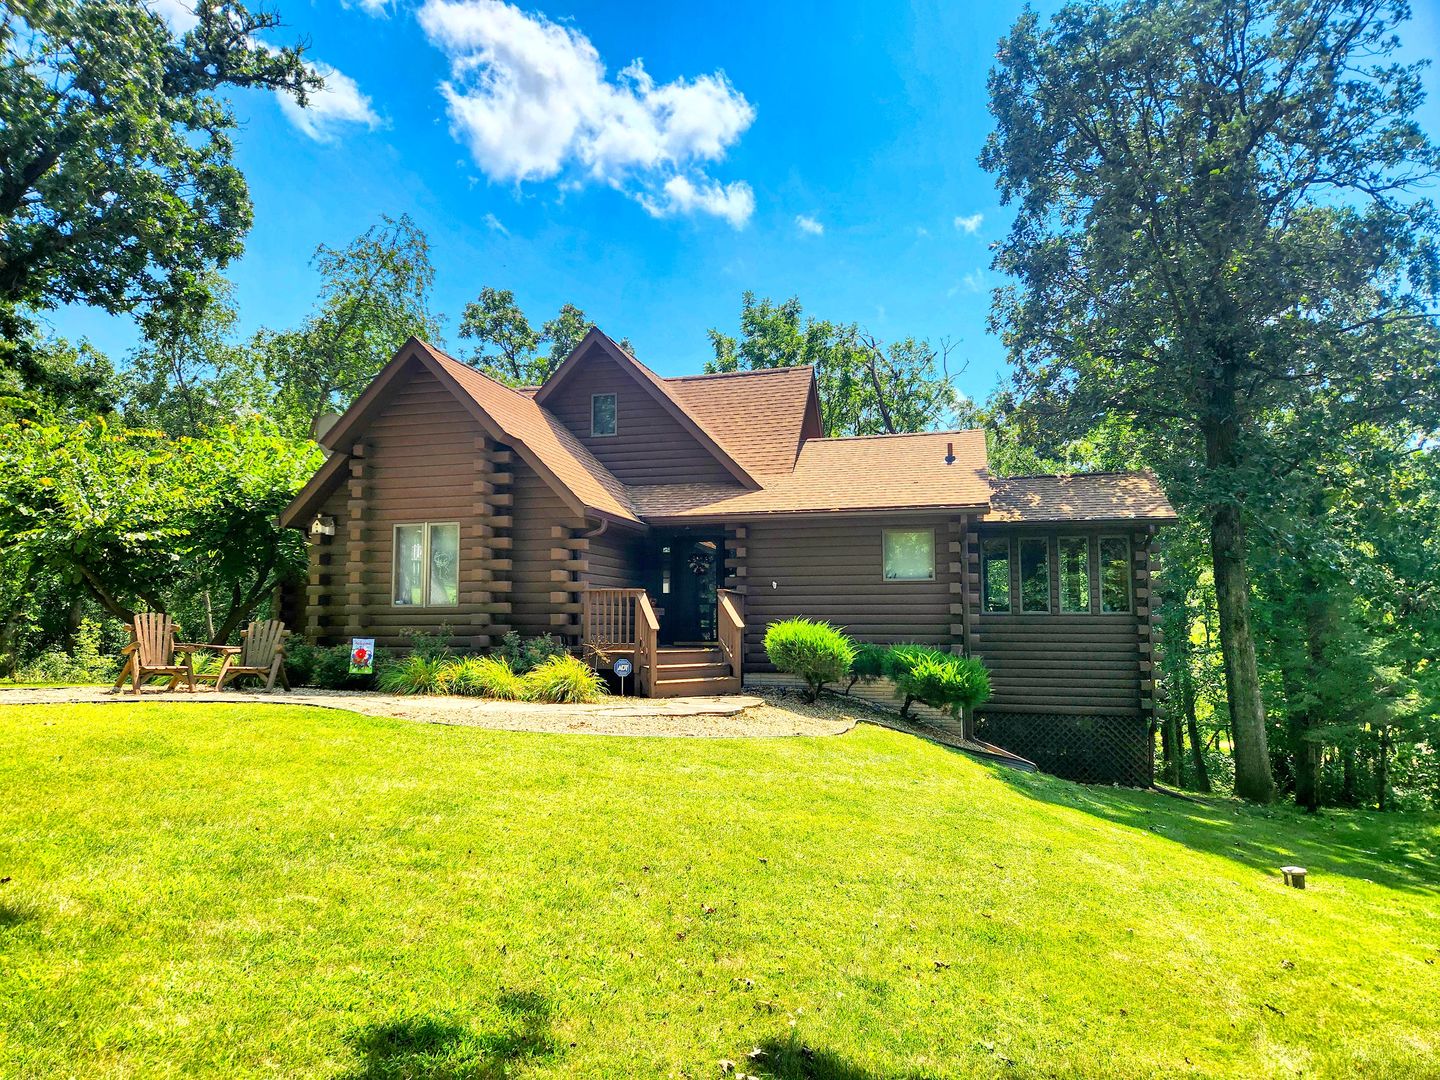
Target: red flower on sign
360,654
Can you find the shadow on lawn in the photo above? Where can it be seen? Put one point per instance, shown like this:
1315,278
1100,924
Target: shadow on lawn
792,1060
14,914
1392,850
428,1048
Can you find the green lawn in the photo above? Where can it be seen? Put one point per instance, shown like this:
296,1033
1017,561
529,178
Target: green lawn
258,889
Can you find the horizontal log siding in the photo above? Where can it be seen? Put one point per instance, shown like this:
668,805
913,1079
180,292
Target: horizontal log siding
422,456
616,561
832,570
543,525
650,446
1059,664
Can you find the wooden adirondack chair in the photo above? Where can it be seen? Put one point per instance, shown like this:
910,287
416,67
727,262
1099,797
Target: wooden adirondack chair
153,650
261,652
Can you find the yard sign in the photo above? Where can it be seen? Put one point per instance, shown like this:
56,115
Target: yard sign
362,655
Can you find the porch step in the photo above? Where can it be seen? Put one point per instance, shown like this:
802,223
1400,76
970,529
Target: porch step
702,686
672,655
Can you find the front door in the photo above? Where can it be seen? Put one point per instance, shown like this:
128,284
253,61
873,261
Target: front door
689,576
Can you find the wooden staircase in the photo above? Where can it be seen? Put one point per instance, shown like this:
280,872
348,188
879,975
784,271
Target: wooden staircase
693,671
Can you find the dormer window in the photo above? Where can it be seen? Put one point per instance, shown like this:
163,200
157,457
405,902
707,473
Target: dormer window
603,414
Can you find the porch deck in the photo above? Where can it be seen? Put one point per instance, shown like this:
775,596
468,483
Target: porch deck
618,623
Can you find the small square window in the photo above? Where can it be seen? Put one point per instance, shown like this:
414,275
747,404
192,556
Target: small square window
909,554
603,419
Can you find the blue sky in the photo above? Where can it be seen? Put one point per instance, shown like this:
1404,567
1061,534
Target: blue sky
820,150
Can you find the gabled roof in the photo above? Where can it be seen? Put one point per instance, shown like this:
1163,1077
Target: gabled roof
652,384
867,472
1109,496
508,416
760,415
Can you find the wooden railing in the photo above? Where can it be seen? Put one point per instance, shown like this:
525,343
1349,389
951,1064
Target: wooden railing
730,627
617,621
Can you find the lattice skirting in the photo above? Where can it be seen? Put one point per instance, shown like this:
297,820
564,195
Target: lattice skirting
1090,749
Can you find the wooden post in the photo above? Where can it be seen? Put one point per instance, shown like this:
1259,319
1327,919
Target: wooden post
1294,876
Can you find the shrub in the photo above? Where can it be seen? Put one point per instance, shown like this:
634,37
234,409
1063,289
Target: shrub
868,665
485,676
83,664
564,680
815,651
415,673
327,667
526,654
943,681
900,660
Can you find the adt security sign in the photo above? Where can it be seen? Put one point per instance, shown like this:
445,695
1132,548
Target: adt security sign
622,667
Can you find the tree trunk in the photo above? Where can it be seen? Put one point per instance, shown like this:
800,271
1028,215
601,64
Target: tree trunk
1347,776
1382,771
1170,749
1192,724
1253,779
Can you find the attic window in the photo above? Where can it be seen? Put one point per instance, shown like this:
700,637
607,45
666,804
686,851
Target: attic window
603,414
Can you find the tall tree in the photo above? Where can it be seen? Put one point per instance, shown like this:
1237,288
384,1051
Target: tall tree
117,185
867,387
509,349
1215,211
374,295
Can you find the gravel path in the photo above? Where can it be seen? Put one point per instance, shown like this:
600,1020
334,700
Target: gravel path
738,716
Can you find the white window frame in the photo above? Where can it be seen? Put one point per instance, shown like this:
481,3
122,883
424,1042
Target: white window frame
1090,578
1050,549
1100,574
424,562
885,533
604,434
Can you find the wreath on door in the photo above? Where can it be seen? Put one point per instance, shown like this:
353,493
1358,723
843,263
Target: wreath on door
700,563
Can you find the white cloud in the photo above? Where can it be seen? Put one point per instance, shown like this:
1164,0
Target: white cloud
377,9
532,100
734,202
179,14
973,282
496,225
807,224
971,224
921,231
338,103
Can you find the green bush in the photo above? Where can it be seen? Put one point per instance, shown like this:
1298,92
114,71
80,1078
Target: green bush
83,664
485,676
815,651
868,665
564,680
327,667
526,654
942,681
415,673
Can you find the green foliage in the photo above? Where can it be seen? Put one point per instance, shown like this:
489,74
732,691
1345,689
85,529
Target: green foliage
486,676
374,296
327,667
944,681
120,188
815,651
415,673
87,662
866,386
525,654
564,680
1228,279
139,518
868,664
508,348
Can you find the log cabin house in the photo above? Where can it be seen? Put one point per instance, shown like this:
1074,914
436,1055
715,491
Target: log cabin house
670,520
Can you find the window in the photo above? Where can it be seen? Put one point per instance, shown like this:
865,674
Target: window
995,576
427,565
1074,575
603,419
1034,574
909,555
1114,574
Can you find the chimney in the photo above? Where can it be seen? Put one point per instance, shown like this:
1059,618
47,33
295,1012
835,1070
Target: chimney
949,453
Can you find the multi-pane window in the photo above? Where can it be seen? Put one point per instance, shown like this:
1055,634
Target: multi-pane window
604,418
1114,574
995,574
1034,574
1074,575
427,565
909,555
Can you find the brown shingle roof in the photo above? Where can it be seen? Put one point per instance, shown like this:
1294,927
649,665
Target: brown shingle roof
757,415
1113,496
868,472
523,421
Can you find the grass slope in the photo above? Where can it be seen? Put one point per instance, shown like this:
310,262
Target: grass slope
232,890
